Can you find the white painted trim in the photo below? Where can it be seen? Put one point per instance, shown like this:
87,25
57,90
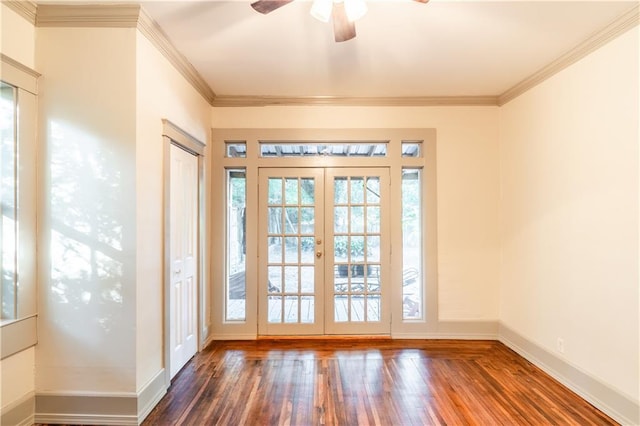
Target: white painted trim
133,16
183,138
88,16
18,335
20,412
260,101
94,408
232,336
610,401
26,9
152,31
85,419
18,75
462,330
123,16
619,26
150,395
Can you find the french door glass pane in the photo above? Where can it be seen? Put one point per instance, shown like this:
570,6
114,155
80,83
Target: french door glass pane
356,242
291,265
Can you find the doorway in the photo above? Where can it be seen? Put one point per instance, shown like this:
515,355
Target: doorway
183,255
324,251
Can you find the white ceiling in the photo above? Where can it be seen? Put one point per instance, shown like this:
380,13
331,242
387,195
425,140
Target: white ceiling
402,48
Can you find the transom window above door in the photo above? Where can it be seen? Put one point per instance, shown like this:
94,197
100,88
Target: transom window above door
369,149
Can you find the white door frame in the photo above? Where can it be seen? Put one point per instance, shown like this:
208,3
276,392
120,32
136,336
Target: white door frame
173,135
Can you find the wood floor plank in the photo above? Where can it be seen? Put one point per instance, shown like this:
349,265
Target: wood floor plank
367,382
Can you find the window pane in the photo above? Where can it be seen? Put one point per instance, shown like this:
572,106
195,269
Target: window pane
340,190
357,219
275,191
324,149
236,246
275,279
275,250
341,220
307,279
412,244
411,149
236,149
8,229
307,191
307,250
373,190
291,218
291,191
291,250
307,220
357,190
291,309
291,279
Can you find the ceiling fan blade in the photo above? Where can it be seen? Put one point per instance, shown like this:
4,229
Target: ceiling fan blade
343,29
267,6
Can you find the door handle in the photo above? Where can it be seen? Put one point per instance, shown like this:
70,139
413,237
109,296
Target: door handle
319,254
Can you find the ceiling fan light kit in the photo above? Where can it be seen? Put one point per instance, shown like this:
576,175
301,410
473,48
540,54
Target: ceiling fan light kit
355,9
343,13
321,10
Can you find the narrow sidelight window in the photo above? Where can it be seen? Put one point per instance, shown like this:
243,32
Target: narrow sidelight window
236,284
412,297
8,205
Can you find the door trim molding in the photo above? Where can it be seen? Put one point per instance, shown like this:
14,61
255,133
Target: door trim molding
174,135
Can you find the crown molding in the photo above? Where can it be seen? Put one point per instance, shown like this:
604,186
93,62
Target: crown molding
152,31
620,25
123,16
88,16
26,9
261,101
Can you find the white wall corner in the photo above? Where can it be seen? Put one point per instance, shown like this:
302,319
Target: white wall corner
610,401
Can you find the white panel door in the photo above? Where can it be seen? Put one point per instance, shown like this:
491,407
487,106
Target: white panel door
184,257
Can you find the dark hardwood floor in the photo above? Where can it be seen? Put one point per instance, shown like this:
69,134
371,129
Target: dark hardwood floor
367,382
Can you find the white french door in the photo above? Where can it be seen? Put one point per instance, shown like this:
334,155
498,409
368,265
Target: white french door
324,251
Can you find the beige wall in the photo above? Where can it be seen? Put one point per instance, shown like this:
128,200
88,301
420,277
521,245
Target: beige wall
162,93
87,211
569,184
17,37
467,175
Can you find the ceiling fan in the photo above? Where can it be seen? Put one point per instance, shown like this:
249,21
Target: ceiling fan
344,13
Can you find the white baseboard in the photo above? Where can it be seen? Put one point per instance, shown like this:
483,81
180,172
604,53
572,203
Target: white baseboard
20,412
600,395
151,394
232,337
463,330
100,409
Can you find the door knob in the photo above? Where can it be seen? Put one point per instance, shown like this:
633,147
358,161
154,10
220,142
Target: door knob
319,254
